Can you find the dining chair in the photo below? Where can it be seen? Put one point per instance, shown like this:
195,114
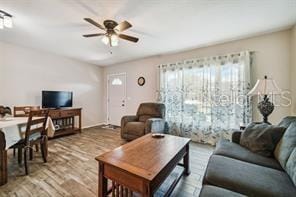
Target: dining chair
23,111
35,134
4,111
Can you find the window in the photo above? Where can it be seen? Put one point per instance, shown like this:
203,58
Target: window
206,98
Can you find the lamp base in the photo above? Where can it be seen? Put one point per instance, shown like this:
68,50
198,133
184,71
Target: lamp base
266,108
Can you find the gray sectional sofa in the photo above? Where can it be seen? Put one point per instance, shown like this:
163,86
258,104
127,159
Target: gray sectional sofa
235,171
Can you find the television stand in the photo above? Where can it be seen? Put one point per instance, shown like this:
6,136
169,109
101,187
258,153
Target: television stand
64,120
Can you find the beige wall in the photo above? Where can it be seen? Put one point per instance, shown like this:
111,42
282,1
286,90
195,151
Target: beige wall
272,58
293,69
25,72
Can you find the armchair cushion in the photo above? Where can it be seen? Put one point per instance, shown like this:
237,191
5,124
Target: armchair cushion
135,128
144,118
150,110
126,119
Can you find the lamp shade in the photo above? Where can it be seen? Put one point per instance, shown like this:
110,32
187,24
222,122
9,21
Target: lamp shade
265,87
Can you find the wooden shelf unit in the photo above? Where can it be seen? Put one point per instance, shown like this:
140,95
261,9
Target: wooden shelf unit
64,120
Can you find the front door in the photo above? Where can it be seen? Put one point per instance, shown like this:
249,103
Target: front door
116,98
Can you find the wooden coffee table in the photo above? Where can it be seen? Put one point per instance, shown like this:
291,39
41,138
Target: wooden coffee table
141,166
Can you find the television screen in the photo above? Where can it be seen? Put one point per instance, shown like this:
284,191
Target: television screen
56,99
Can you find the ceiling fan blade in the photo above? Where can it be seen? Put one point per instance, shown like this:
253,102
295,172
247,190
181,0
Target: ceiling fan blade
129,38
93,35
91,21
123,26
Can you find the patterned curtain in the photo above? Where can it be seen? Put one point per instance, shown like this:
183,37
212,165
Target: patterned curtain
206,98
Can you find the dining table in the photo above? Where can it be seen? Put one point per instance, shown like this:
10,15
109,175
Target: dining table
12,130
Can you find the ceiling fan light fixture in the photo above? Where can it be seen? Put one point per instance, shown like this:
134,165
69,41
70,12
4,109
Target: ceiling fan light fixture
114,40
1,22
112,32
7,20
105,40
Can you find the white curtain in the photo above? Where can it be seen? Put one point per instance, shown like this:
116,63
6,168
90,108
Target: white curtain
206,98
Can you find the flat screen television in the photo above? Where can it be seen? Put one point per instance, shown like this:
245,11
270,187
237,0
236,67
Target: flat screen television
56,99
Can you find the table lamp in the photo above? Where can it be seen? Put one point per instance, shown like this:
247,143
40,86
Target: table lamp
265,87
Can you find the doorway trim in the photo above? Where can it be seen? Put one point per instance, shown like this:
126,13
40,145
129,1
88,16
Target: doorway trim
107,100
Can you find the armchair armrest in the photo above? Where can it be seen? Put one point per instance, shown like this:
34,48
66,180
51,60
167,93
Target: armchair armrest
236,136
126,119
156,125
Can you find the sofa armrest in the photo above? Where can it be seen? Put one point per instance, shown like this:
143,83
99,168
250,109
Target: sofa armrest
156,125
236,136
126,119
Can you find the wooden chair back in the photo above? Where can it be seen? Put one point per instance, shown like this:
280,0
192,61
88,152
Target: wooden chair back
23,111
36,126
5,110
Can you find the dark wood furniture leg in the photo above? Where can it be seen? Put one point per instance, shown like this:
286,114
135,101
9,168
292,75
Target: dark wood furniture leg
186,161
44,148
102,190
148,192
3,160
31,154
80,124
19,155
26,150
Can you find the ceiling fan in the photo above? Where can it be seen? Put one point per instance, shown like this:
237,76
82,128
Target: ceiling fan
112,31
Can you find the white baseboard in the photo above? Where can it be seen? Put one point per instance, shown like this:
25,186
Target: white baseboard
98,124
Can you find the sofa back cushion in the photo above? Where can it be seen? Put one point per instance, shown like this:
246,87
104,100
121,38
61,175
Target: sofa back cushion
291,166
287,121
150,110
286,145
261,138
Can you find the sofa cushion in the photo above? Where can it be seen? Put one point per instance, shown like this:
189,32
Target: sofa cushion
286,145
212,191
291,166
287,121
261,138
135,128
248,179
233,150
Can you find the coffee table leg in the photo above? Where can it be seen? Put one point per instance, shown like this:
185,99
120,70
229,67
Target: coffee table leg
186,161
102,190
148,191
3,160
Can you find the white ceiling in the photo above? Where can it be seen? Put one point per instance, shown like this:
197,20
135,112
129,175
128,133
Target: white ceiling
163,26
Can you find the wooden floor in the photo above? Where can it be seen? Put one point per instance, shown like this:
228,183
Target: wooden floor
71,169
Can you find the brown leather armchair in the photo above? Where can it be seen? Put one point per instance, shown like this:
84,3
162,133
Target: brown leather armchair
150,117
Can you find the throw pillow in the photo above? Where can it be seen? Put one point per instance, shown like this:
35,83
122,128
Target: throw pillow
286,145
261,138
291,166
